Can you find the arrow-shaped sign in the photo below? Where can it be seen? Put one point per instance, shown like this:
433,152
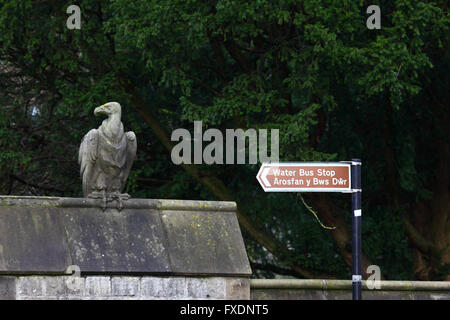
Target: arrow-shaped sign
321,177
305,177
264,177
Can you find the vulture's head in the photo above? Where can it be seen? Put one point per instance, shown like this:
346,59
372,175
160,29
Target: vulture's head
108,109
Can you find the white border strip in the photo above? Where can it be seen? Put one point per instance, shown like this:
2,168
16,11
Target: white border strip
356,278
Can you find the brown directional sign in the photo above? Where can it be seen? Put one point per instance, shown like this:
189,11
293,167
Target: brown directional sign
305,177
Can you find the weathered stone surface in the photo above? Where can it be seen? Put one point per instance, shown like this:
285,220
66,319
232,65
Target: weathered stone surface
178,287
288,294
32,240
385,295
305,294
75,286
113,241
98,286
125,286
30,286
44,235
164,287
422,295
119,288
7,288
106,155
206,288
205,243
238,289
54,286
315,289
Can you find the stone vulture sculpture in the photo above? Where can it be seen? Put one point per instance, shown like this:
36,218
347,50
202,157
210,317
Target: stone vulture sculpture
106,155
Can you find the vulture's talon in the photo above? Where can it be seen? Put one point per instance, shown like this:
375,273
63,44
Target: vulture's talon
125,196
95,195
120,198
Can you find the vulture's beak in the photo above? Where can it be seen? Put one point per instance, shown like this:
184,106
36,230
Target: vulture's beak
100,110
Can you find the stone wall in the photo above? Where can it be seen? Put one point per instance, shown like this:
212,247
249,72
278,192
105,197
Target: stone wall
217,288
123,288
294,289
45,235
151,249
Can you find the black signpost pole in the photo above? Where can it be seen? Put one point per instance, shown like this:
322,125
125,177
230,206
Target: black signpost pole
338,176
356,229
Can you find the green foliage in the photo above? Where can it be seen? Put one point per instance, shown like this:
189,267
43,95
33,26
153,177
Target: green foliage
311,69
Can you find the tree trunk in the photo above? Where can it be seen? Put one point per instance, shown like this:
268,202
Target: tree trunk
341,235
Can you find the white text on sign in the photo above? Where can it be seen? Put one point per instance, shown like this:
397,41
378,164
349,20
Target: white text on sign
299,177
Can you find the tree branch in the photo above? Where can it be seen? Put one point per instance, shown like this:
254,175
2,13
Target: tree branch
416,238
29,184
284,271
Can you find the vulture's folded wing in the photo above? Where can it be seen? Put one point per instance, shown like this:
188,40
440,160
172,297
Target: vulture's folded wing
130,156
87,157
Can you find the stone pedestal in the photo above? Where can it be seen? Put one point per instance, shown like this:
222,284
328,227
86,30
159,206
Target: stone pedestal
152,249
